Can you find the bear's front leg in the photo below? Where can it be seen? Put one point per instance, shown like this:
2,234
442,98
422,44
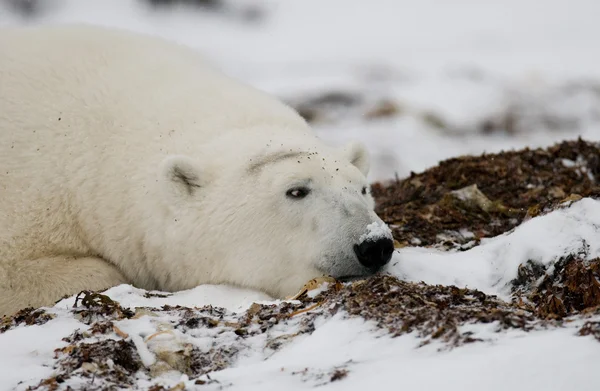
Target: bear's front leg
42,282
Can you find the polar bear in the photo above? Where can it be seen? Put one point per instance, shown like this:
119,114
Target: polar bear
126,158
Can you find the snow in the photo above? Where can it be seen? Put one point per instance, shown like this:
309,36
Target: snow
490,266
512,360
510,363
26,351
376,230
463,63
235,299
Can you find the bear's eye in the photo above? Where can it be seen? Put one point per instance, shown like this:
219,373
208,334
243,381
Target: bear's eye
364,190
297,193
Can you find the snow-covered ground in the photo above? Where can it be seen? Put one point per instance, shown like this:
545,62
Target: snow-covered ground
466,77
546,358
553,359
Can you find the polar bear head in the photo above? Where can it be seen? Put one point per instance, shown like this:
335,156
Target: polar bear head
272,219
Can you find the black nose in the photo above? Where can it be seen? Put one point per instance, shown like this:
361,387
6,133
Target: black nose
373,254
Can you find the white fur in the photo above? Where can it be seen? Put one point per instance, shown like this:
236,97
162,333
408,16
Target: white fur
126,158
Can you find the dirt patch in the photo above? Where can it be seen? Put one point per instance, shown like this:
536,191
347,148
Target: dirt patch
316,377
465,199
338,374
562,108
335,106
149,295
571,287
591,328
434,312
28,316
247,13
96,306
109,364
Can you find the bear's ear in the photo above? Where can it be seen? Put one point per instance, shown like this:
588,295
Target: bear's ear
358,155
181,177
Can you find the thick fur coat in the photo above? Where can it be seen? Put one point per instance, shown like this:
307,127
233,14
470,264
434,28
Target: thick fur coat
125,158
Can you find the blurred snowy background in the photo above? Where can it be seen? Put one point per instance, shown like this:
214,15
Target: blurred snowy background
417,81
